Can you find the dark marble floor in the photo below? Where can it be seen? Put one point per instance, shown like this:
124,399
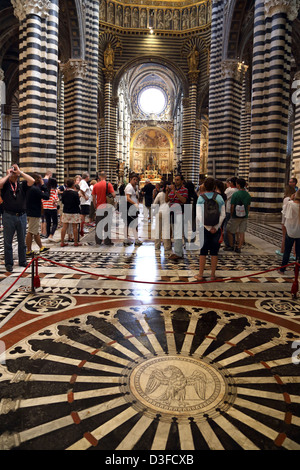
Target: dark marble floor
126,352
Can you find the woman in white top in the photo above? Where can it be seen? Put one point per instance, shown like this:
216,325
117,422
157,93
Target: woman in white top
292,224
288,193
162,226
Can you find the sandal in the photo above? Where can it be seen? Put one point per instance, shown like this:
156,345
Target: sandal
64,244
201,279
77,244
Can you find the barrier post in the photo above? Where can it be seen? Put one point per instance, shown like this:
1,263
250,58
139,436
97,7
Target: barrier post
32,277
295,285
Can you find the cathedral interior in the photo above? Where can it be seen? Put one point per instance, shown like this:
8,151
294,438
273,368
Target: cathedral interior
119,348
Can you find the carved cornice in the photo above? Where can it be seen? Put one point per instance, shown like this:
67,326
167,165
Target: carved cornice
74,68
291,7
233,69
24,8
193,77
109,74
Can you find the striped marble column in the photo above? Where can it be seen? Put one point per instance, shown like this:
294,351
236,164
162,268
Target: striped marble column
110,128
76,129
191,134
245,137
90,91
60,159
38,35
2,101
270,103
215,87
296,144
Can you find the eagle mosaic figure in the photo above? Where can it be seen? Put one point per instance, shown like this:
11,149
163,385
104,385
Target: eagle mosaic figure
176,382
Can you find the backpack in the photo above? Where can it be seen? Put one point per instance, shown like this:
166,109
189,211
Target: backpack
240,210
211,210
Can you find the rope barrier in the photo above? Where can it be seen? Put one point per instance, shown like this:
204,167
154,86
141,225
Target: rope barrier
36,279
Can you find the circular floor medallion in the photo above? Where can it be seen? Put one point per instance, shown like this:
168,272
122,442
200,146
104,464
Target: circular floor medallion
178,385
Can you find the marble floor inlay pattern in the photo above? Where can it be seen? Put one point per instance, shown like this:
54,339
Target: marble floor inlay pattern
91,362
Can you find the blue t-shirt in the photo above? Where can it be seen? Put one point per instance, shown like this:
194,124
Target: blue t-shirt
219,199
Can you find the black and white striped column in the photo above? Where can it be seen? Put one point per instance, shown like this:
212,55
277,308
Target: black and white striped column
2,101
270,103
76,127
296,144
38,82
60,160
191,134
215,88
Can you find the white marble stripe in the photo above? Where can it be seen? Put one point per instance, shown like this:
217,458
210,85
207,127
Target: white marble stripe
115,345
231,360
235,434
209,436
101,392
207,341
170,336
280,362
104,429
135,433
259,393
151,337
67,420
132,340
67,378
225,346
245,369
161,436
189,336
253,423
185,436
88,365
260,408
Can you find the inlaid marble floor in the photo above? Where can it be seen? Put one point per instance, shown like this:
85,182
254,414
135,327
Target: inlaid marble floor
112,363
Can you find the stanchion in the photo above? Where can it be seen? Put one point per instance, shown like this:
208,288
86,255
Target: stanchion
295,285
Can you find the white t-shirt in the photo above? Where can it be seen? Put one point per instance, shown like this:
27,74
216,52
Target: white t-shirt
291,212
87,190
229,192
129,190
161,200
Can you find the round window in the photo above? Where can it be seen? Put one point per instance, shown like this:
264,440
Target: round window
152,100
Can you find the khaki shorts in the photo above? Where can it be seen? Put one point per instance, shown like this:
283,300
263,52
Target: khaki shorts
33,225
237,225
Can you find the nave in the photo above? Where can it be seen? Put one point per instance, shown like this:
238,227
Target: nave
97,359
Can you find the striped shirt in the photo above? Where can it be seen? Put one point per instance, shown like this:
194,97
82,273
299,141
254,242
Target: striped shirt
52,202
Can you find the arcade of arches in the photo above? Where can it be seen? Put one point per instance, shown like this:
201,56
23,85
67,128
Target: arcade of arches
94,343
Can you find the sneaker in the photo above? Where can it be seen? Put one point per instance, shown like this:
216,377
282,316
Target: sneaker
127,243
29,254
9,268
175,257
278,252
43,249
237,250
138,243
228,248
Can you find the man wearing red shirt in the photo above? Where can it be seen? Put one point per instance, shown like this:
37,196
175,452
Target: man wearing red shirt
103,210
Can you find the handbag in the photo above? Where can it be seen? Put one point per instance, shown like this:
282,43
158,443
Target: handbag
109,197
